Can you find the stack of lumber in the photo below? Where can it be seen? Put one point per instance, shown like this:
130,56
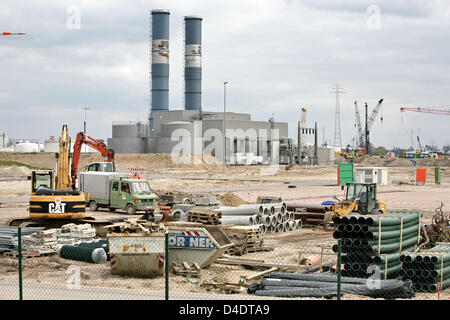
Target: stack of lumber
205,216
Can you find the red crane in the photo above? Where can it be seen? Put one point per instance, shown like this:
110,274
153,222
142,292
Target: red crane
12,33
83,138
426,110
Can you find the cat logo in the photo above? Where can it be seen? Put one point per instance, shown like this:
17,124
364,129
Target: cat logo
57,207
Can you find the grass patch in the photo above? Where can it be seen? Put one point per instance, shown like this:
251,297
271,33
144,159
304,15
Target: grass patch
18,164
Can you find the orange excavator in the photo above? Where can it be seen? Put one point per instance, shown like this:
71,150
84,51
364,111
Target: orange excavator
107,153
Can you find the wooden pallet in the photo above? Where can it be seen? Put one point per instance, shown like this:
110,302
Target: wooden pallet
184,269
204,216
25,255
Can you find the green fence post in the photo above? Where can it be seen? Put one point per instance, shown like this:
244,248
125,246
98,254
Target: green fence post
19,245
166,272
338,266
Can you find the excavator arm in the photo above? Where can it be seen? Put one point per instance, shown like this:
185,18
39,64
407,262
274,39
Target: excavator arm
83,138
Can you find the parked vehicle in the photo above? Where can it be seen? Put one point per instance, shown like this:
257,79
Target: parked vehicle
115,190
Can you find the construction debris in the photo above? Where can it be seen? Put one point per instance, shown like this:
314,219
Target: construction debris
136,226
184,269
439,229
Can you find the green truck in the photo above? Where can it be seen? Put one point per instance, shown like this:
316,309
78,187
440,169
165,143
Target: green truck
115,190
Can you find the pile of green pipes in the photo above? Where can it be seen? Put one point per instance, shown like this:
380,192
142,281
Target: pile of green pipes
94,251
427,268
373,243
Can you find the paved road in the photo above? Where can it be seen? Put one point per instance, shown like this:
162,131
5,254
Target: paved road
39,291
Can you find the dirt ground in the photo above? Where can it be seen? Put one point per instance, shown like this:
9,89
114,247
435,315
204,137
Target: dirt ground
312,185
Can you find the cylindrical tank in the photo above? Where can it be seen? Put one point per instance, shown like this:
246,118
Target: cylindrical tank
160,62
26,147
193,63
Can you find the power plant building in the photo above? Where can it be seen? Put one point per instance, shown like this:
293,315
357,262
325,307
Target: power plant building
165,130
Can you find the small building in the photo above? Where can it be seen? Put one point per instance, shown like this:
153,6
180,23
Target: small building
378,175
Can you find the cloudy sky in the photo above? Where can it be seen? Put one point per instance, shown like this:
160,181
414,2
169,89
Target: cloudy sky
277,55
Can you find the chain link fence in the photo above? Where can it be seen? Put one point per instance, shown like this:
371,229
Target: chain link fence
364,257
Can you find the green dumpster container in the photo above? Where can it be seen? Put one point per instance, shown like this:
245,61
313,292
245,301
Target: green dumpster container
345,173
437,175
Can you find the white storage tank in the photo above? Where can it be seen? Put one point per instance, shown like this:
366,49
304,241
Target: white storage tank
26,147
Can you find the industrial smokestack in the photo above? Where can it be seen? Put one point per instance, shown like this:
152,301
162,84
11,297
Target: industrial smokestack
193,63
160,62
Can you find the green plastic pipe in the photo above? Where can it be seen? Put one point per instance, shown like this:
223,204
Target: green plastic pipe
385,220
392,247
390,257
433,287
366,228
388,241
392,234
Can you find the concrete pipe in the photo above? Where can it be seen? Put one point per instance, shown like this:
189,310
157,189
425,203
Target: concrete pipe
179,215
298,224
279,228
258,219
291,216
287,216
265,220
266,212
273,221
270,207
258,207
285,227
291,225
239,220
263,229
238,211
279,217
271,229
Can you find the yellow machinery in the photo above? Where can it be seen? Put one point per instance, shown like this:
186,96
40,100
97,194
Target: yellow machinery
360,198
53,201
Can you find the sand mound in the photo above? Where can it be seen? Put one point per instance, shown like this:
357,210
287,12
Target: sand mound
229,199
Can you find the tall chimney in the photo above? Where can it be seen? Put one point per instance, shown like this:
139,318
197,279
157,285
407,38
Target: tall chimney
193,63
160,63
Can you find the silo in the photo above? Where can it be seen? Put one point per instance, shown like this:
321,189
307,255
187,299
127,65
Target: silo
160,62
193,63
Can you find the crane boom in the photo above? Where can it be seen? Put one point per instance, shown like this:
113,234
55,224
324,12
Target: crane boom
426,110
358,124
420,145
374,114
63,180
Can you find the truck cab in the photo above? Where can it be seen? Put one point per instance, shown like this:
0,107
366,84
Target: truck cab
132,195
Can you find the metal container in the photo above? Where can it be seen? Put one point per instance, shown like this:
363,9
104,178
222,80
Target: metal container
195,244
137,254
